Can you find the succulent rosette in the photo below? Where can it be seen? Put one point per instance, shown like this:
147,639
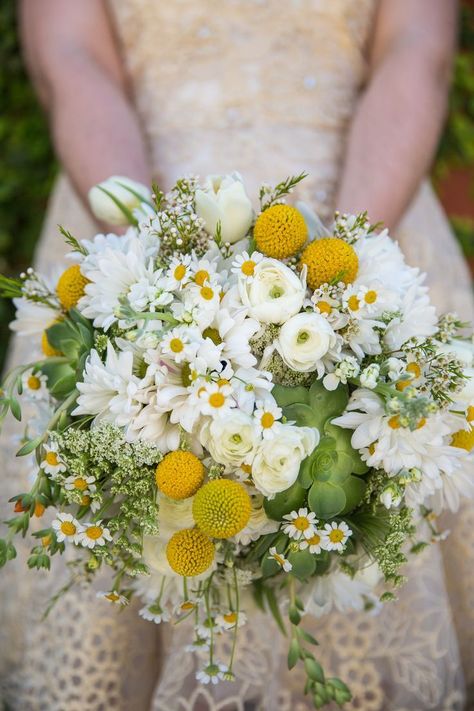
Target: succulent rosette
232,400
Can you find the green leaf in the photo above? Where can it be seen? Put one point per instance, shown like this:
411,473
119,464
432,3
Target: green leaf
303,564
307,637
326,499
354,489
314,670
274,609
64,386
269,567
288,396
261,546
30,446
293,653
285,502
327,403
15,408
294,615
302,414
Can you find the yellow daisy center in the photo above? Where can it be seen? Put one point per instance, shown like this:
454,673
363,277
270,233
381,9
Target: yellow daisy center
80,484
222,381
52,459
279,559
267,420
222,508
176,345
33,382
421,423
190,552
353,303
370,297
216,400
329,259
394,422
248,267
280,231
336,535
94,532
179,475
207,293
46,346
201,277
324,307
213,334
414,369
470,413
230,618
71,286
464,439
246,468
113,597
314,540
372,448
187,606
301,523
85,500
179,272
68,528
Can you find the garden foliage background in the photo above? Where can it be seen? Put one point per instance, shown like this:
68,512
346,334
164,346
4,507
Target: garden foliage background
27,165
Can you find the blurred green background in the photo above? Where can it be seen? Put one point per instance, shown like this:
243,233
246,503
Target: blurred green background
27,165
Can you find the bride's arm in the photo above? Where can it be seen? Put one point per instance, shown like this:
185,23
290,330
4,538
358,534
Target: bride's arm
398,120
72,57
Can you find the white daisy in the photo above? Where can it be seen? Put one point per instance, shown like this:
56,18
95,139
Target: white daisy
301,524
185,607
266,415
179,272
180,344
34,385
249,386
109,389
315,544
84,484
206,627
67,528
244,265
418,319
149,294
32,319
343,592
114,597
205,300
282,561
52,463
200,644
94,534
154,613
229,620
234,331
335,536
211,674
215,399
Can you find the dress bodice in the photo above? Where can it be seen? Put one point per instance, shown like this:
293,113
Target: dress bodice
262,86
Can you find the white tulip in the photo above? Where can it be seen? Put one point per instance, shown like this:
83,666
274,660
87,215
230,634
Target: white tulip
223,200
304,340
130,193
275,293
277,462
232,439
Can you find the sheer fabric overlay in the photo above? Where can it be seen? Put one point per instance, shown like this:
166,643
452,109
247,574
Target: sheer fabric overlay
222,85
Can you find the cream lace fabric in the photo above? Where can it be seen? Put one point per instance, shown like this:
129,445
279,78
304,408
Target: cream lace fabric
268,88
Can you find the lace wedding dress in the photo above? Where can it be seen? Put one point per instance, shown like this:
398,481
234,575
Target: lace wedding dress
267,88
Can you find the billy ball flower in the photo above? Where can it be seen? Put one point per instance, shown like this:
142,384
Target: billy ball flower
329,259
222,508
179,475
71,286
190,552
280,231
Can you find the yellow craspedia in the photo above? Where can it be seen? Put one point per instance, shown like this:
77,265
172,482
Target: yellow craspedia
71,286
179,475
222,508
190,552
464,439
327,259
280,231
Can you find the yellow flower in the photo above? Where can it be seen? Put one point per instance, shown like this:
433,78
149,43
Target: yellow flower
190,552
179,475
328,259
70,287
280,231
48,350
464,439
222,508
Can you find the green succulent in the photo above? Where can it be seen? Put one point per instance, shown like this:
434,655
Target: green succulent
331,473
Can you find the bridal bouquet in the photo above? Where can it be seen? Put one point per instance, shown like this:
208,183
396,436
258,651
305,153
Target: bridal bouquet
231,400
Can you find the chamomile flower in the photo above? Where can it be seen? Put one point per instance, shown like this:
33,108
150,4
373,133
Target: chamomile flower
244,265
282,561
205,300
302,524
204,629
52,463
229,620
185,607
335,536
114,597
212,674
267,413
94,534
200,644
154,613
180,344
215,398
84,484
315,544
67,528
34,385
179,272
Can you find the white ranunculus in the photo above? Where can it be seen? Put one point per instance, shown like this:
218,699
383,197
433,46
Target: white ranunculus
174,515
231,440
304,340
277,462
223,200
275,293
130,193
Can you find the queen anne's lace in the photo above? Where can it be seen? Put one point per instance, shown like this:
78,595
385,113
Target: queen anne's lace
226,84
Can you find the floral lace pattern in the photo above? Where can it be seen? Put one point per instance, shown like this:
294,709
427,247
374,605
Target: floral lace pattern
222,85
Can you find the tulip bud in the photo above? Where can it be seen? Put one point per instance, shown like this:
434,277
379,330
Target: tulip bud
114,199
